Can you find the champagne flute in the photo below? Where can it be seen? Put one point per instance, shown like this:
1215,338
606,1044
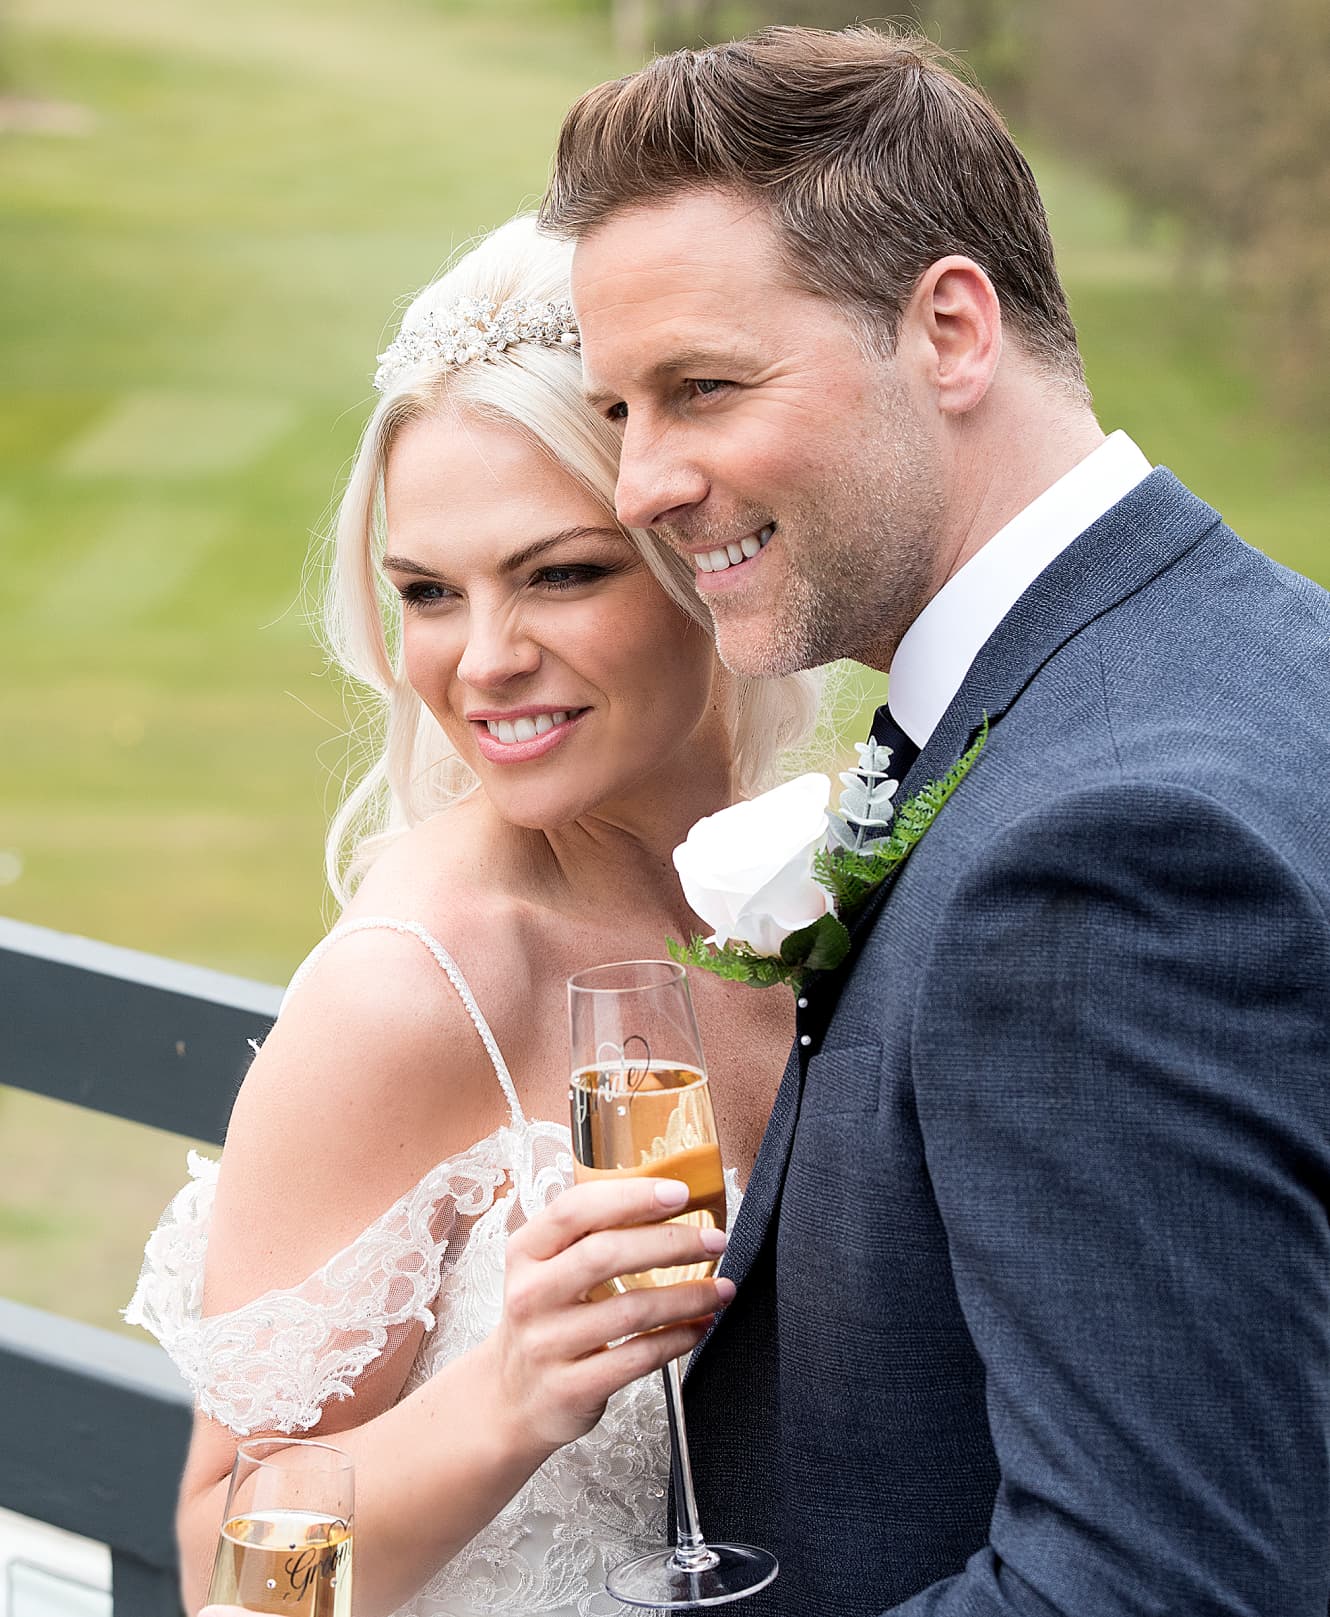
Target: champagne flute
286,1538
641,1106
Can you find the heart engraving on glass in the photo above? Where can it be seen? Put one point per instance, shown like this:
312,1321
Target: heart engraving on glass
632,1067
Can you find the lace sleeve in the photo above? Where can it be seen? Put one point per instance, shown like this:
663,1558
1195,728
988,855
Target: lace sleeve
273,1364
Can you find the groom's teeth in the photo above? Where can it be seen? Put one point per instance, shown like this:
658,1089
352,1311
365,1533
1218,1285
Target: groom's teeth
716,561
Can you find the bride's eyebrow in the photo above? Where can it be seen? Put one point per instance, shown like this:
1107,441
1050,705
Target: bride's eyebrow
512,563
528,553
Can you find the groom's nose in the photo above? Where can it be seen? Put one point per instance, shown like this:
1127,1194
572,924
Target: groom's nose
656,483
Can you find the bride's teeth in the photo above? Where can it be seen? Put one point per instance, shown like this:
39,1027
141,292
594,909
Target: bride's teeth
528,727
719,561
749,546
735,553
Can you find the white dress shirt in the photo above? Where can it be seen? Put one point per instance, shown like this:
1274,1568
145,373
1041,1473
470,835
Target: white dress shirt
935,654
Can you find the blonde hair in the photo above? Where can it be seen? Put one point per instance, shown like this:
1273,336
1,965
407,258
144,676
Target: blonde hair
415,771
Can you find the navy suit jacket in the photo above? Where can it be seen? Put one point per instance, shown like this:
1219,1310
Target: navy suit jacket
1034,1269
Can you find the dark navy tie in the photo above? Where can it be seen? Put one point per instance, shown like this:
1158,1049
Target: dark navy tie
887,733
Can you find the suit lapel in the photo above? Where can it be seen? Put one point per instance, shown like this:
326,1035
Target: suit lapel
768,1174
759,1200
1144,534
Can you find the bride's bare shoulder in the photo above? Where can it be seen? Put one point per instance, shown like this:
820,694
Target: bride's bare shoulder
375,1066
439,871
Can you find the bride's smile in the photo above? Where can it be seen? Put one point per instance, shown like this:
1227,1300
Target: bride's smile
525,733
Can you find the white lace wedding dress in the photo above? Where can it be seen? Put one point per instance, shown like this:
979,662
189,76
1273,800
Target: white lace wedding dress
436,1255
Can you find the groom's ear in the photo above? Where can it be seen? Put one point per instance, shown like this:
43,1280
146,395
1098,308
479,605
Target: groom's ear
957,323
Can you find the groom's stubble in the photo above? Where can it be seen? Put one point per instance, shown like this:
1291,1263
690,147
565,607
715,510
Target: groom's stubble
856,557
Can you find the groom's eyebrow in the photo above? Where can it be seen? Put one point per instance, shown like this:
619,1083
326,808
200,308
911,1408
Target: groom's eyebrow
512,563
700,361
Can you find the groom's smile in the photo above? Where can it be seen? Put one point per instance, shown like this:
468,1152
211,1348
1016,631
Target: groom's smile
761,437
731,558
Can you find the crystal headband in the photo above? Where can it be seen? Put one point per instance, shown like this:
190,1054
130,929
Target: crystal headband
474,328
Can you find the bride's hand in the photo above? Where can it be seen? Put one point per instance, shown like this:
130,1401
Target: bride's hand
553,1380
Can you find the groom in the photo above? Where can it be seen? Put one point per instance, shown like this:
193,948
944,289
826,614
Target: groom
1034,1271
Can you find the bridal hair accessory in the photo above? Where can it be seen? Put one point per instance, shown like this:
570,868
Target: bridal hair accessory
475,328
779,876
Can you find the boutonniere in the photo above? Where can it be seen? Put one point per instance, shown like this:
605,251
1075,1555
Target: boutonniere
780,876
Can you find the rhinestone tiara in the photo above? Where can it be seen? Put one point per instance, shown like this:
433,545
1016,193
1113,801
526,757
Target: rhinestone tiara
475,328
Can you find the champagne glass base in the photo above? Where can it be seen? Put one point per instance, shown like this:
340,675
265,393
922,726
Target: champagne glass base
660,1581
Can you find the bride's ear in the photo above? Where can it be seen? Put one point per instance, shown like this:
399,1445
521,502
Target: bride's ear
955,320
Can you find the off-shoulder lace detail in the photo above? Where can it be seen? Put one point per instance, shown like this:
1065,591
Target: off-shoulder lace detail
436,1257
273,1364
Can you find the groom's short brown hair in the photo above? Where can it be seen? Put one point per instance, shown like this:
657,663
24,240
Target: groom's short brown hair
874,156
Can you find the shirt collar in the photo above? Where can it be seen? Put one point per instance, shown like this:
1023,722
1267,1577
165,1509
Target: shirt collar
935,654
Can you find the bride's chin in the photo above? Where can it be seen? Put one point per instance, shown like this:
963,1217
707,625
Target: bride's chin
526,813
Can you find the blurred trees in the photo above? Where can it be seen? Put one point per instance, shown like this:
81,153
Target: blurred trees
1214,114
1281,224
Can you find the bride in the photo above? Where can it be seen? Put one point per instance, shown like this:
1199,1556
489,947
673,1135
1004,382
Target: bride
380,1259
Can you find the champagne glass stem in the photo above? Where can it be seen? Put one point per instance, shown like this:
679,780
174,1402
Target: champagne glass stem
690,1548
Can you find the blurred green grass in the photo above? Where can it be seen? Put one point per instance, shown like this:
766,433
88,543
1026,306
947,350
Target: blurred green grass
191,297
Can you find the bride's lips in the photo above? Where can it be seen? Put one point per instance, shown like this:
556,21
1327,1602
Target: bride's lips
521,752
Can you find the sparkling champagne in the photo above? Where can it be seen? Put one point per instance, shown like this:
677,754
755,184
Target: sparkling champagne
296,1562
655,1122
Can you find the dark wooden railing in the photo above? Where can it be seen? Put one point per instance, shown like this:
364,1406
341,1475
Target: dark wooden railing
93,1426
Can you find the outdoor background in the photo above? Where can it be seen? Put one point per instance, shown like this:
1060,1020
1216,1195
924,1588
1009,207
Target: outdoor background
209,218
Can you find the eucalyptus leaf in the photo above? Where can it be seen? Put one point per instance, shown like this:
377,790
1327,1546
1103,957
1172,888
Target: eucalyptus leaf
841,835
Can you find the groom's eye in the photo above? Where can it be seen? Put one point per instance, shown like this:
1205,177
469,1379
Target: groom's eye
707,385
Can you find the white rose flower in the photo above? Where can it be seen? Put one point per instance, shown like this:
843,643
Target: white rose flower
748,871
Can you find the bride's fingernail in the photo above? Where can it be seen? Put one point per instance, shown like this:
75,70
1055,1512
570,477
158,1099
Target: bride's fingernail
671,1192
714,1240
725,1290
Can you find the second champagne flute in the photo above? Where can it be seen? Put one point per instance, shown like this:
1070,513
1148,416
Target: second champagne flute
641,1106
287,1531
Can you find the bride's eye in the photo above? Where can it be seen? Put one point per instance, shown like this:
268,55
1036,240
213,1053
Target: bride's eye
617,412
418,594
569,577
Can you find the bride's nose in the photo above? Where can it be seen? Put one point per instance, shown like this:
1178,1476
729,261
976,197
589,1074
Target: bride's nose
498,648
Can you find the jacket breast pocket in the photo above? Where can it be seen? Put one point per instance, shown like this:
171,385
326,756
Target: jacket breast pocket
843,1082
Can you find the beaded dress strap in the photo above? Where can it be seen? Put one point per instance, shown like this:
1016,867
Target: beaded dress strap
413,929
